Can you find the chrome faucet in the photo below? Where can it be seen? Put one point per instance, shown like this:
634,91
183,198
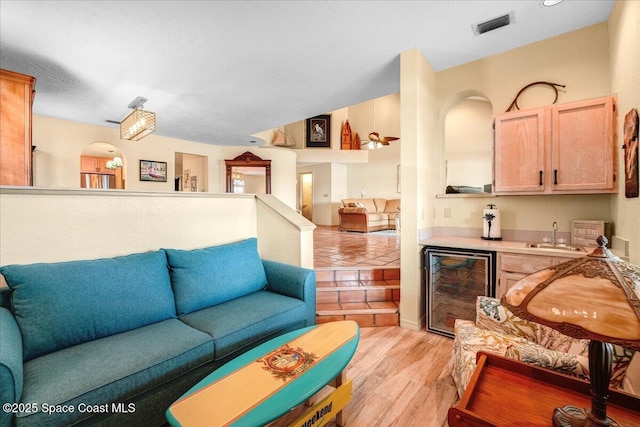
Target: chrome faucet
555,230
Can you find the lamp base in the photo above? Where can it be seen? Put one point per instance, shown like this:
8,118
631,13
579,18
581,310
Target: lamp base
571,416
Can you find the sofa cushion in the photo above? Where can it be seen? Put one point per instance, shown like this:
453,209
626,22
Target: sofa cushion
377,217
393,205
264,315
380,204
491,315
59,305
112,369
534,354
210,276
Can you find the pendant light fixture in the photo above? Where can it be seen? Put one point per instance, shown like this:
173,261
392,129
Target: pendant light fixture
139,123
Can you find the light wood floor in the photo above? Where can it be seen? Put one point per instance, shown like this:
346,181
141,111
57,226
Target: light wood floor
400,378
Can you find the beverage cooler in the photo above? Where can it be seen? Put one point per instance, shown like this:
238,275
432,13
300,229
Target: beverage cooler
454,279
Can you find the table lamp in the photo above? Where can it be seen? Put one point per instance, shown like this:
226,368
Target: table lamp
596,297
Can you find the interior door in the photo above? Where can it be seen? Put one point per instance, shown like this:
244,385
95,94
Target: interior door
306,195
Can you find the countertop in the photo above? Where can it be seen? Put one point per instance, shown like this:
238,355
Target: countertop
500,246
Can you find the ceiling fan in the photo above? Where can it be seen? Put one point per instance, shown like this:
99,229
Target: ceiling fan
375,140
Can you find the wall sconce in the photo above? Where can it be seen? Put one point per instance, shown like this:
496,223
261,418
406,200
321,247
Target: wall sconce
139,123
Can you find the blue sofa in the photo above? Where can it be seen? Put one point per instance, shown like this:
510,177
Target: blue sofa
115,341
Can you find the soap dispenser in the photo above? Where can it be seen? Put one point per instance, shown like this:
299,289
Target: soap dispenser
491,223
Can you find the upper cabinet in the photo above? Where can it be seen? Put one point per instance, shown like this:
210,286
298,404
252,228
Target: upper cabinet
560,149
92,164
16,98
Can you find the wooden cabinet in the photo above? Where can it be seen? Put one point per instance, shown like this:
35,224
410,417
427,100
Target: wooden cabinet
561,149
519,152
90,164
513,267
582,147
17,92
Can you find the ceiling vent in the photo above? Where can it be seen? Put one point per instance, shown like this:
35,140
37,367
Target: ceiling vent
493,24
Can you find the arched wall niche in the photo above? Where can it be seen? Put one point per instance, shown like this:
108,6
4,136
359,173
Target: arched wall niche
98,169
467,140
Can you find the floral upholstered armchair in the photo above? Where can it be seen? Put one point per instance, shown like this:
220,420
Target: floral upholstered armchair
497,330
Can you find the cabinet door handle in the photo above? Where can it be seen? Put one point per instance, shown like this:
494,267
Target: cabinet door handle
555,177
540,177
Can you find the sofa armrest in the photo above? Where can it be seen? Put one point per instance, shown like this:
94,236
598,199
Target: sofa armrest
11,369
295,282
468,341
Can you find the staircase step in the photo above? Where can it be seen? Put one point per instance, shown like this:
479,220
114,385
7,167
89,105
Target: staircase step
368,295
338,274
365,314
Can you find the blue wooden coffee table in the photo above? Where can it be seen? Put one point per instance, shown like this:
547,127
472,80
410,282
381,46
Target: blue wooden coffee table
268,381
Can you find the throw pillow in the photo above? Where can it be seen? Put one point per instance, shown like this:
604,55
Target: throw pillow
206,277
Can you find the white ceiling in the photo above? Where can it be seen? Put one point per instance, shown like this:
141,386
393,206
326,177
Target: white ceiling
219,71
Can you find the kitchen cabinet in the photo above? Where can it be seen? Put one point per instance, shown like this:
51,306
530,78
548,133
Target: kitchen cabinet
513,267
560,149
90,164
17,92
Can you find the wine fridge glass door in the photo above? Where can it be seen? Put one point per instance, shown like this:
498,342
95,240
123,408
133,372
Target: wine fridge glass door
454,281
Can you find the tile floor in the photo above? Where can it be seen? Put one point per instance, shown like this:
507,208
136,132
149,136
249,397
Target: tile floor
333,248
358,276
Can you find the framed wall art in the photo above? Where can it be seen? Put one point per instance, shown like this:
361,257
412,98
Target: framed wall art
631,154
319,132
153,171
186,179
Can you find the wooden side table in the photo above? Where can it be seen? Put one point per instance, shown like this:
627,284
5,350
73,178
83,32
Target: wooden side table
505,392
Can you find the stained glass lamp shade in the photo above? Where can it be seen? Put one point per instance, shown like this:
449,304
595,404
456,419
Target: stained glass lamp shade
596,297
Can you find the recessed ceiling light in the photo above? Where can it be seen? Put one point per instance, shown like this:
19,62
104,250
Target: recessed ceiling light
550,3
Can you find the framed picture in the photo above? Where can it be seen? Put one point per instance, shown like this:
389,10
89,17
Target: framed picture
631,154
319,131
153,171
186,179
194,184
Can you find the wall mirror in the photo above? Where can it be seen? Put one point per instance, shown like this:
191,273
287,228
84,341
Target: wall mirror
468,143
247,172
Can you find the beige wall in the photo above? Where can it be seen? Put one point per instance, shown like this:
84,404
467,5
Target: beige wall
52,225
60,142
419,131
579,60
624,53
62,225
340,174
468,143
377,177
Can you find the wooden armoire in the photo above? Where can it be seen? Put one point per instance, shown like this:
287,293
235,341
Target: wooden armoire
17,92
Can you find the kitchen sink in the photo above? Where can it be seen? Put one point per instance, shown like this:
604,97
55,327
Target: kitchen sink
559,246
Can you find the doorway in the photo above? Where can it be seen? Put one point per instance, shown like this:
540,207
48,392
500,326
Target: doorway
191,172
306,195
102,166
